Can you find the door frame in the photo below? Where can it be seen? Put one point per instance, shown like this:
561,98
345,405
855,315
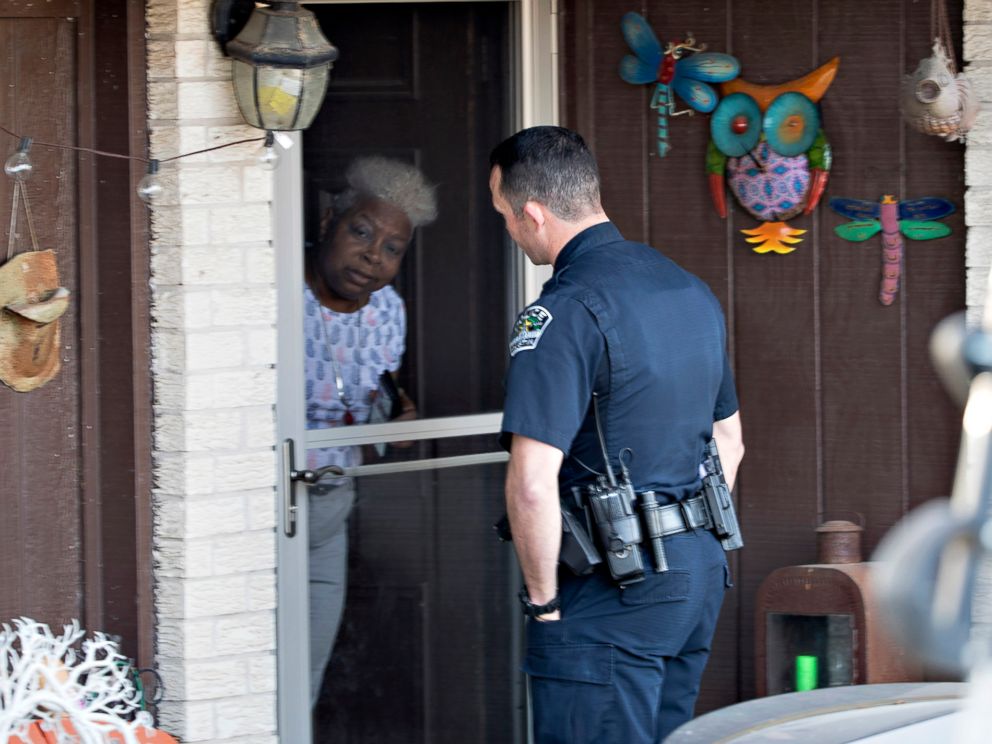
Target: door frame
534,90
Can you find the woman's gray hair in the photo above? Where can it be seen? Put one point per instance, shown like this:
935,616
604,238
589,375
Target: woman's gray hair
393,181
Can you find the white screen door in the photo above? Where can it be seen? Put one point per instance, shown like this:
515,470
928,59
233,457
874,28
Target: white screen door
428,646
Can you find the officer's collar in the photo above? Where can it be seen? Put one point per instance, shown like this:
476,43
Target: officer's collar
597,235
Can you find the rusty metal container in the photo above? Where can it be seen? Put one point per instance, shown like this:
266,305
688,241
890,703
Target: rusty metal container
838,541
827,610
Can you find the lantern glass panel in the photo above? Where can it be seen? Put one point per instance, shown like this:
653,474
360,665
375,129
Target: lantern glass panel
244,91
314,85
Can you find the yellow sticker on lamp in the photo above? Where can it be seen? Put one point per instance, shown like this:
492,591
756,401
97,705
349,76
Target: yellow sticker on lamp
275,99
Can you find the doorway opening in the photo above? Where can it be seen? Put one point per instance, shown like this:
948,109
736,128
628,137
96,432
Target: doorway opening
426,646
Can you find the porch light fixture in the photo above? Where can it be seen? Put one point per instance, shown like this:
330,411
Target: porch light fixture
280,63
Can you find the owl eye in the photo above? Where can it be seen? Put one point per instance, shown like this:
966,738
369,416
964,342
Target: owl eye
791,124
736,125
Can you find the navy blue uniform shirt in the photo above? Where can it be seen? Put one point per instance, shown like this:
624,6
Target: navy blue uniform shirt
620,319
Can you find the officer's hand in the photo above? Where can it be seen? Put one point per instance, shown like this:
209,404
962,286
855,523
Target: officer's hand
549,617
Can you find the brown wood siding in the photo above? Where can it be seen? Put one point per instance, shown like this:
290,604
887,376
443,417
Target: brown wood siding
843,414
75,541
39,431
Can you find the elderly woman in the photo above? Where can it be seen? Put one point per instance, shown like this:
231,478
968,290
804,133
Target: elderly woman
354,331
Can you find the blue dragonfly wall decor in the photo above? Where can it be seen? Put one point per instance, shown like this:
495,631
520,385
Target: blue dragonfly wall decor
681,67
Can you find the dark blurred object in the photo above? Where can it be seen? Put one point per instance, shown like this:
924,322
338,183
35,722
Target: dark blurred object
927,565
228,17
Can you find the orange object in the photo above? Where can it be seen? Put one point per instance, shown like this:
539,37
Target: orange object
774,236
813,86
144,735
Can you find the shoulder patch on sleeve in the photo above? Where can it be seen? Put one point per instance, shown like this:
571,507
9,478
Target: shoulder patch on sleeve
527,331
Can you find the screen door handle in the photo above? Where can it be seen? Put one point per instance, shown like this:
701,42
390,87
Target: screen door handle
290,475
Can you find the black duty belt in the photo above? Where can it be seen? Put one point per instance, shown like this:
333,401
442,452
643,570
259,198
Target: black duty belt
685,515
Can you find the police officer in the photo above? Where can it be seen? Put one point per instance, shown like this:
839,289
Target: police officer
608,663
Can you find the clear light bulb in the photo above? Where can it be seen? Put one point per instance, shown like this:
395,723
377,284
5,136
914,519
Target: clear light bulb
268,156
149,186
18,166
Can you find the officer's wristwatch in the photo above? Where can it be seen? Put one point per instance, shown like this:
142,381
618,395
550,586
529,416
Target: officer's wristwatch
534,610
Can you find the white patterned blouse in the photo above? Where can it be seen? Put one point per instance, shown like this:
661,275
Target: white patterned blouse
355,348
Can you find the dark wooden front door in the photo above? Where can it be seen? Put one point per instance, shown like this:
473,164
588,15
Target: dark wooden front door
843,414
74,462
425,652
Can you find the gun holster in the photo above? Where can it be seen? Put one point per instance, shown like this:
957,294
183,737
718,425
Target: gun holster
719,500
577,549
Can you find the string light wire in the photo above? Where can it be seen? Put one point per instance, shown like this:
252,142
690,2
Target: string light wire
149,188
131,157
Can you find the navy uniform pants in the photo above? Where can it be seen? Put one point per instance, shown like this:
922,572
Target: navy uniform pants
623,665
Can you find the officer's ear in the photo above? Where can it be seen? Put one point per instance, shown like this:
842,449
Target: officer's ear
535,212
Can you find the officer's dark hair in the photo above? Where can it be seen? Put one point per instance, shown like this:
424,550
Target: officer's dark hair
549,165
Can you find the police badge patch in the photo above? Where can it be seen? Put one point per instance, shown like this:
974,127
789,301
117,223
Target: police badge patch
528,328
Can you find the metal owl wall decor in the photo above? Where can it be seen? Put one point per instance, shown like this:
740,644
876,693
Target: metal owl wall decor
914,219
682,67
768,143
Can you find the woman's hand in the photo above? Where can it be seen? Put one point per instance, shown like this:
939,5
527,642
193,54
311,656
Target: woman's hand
408,412
408,409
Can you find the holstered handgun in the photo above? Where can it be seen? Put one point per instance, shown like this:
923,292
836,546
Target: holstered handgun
719,501
577,550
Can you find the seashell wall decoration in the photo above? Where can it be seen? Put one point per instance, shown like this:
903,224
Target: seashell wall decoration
937,101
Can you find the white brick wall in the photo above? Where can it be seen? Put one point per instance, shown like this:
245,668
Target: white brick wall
213,348
978,160
978,212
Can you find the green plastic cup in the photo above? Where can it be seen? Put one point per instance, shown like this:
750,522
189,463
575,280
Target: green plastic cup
805,673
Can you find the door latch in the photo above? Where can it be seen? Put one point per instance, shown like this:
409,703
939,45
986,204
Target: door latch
290,475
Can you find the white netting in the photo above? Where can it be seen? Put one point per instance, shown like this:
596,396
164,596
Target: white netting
65,681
